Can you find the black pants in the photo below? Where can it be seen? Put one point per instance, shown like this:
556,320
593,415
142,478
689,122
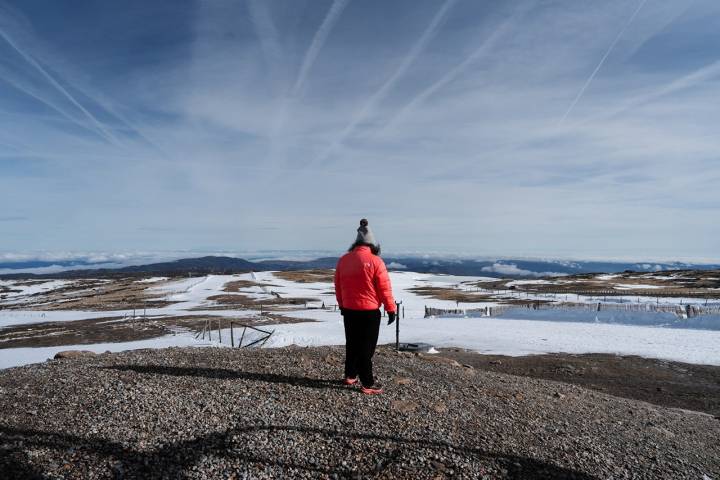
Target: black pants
361,335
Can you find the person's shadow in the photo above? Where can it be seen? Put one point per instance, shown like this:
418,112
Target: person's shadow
223,373
172,460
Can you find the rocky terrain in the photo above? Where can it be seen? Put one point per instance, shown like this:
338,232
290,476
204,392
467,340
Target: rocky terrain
271,413
662,382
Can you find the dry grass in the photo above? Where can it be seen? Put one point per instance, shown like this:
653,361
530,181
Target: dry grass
451,294
240,300
94,295
492,285
307,276
697,284
113,330
238,285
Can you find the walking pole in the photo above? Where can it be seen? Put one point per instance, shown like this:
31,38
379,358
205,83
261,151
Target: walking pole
397,325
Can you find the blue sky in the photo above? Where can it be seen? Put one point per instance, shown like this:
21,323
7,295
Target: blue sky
549,128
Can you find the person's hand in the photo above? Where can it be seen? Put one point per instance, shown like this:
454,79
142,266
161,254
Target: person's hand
342,311
391,317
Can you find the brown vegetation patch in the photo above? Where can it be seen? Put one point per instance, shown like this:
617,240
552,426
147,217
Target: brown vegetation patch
94,295
308,276
691,283
490,285
243,301
236,300
276,319
80,332
237,285
113,330
440,293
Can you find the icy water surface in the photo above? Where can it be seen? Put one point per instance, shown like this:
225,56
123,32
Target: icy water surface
656,319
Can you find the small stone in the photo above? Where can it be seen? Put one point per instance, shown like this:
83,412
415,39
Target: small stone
438,466
331,359
404,406
439,407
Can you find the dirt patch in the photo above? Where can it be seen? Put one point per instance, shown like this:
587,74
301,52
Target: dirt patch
670,384
308,276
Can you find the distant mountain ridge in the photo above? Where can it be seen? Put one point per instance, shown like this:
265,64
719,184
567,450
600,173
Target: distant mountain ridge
471,267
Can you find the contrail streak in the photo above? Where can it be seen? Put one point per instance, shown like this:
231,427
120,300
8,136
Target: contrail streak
317,42
704,73
48,103
266,32
369,106
100,127
106,104
278,148
700,75
452,74
602,61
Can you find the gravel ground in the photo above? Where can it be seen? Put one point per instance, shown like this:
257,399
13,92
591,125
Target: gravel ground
278,413
661,382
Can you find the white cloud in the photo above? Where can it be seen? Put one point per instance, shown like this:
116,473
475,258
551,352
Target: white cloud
397,266
511,269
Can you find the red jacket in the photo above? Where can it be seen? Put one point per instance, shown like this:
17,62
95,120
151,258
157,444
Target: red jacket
362,281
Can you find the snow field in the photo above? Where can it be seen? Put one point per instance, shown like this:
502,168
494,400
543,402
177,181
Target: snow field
506,336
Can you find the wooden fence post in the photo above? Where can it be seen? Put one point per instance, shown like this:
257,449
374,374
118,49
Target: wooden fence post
242,337
397,325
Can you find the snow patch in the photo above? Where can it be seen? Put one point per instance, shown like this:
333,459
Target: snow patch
151,280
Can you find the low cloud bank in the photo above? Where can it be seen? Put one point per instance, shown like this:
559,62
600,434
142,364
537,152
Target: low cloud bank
397,266
511,269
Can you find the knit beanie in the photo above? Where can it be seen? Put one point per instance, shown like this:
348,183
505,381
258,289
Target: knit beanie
365,235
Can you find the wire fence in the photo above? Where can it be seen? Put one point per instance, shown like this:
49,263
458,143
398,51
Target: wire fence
208,330
683,311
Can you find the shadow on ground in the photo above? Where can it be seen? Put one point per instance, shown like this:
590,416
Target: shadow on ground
174,459
222,373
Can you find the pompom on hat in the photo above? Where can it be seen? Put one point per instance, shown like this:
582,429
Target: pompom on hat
364,234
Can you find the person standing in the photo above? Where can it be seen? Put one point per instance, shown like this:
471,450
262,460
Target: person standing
362,285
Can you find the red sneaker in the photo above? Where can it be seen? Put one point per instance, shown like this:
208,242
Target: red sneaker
375,389
350,381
